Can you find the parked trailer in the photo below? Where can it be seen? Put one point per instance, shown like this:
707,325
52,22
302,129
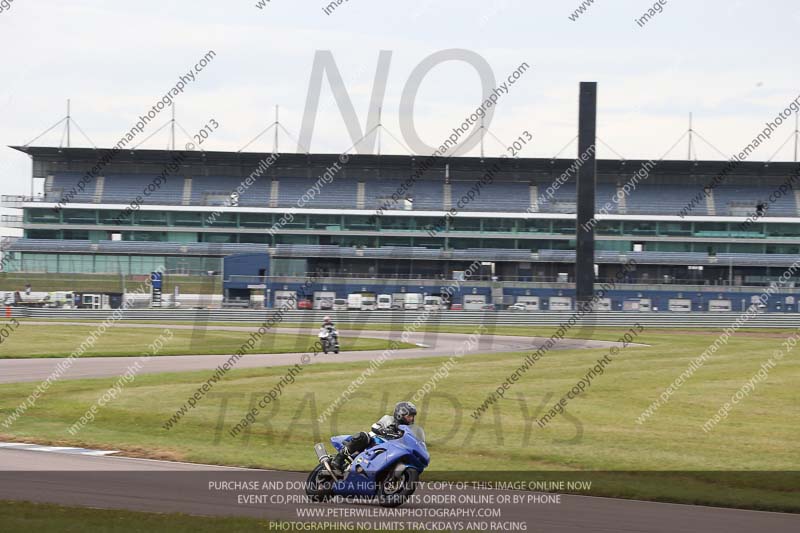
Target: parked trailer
323,300
31,299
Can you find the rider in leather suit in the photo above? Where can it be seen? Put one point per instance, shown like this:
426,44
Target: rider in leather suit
327,324
386,428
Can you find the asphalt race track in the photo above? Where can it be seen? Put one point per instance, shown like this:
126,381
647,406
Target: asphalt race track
113,482
436,345
157,486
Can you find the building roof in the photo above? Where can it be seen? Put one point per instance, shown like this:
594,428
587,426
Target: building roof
85,158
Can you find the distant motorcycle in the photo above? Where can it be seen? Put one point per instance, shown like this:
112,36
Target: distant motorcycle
329,341
388,471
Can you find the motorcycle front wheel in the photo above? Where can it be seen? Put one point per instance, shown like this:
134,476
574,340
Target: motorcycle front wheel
393,492
319,485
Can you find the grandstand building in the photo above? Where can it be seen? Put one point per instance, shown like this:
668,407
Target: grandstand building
400,218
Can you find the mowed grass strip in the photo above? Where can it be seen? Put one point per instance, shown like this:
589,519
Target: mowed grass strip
32,340
50,518
398,326
597,433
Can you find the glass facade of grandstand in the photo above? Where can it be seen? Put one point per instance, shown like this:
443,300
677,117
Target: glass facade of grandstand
377,216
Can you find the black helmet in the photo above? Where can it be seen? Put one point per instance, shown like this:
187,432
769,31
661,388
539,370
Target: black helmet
403,409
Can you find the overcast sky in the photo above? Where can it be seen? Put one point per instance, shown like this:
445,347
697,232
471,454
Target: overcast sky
732,63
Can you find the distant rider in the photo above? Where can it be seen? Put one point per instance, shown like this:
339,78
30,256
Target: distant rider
386,428
327,325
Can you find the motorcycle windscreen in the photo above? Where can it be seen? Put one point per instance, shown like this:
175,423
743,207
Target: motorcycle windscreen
417,432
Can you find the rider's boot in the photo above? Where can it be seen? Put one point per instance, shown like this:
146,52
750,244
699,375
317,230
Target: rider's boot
338,463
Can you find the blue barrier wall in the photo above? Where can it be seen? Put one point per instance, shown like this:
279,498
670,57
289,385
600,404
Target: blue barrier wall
659,299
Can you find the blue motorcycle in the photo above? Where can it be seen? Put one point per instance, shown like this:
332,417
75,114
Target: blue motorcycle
388,471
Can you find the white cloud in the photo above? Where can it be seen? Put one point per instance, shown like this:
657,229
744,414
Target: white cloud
116,59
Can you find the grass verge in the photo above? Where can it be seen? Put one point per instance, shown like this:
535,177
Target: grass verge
50,518
37,341
668,457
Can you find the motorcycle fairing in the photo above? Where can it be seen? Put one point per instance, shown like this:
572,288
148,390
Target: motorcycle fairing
372,463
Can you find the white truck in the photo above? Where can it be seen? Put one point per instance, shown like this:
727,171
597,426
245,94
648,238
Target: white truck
412,301
384,302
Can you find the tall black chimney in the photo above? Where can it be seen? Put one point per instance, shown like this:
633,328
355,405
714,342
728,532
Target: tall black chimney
587,173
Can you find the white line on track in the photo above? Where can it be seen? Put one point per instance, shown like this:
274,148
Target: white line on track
55,449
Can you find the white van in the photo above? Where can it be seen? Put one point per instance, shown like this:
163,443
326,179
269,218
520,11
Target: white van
384,302
368,302
413,301
354,301
433,303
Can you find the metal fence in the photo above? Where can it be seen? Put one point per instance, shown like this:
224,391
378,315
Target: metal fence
501,318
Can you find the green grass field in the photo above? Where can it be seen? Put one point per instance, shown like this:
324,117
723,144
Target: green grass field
31,340
47,518
597,333
598,433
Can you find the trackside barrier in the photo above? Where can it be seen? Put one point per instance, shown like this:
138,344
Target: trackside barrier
695,320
